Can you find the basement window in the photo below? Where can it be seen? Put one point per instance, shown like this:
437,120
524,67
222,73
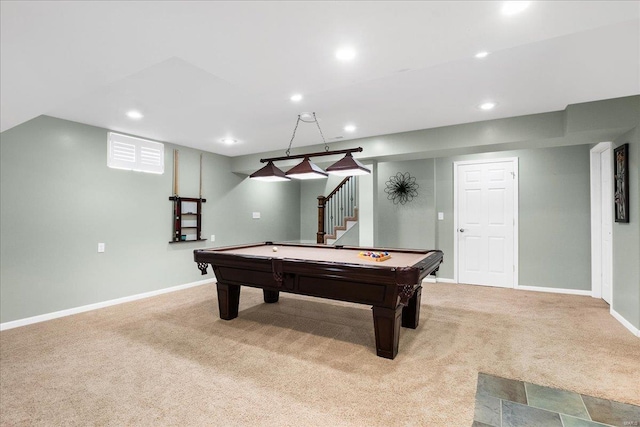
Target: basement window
136,154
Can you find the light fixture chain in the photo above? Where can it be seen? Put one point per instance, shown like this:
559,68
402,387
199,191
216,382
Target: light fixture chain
288,152
326,146
293,136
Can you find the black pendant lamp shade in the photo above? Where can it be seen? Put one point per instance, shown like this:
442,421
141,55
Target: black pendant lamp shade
270,173
306,170
348,166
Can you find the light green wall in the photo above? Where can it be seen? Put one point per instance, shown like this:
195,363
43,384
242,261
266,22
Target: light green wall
413,224
554,219
351,237
553,149
554,213
367,199
59,199
626,240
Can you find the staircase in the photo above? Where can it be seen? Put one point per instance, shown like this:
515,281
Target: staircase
337,212
340,230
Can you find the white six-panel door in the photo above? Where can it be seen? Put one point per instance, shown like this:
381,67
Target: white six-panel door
486,222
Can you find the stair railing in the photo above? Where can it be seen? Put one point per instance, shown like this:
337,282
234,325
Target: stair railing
334,208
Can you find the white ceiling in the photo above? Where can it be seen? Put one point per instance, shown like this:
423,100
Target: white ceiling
202,71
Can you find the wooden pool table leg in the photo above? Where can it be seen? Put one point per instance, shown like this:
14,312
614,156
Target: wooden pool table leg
411,313
386,322
270,296
228,300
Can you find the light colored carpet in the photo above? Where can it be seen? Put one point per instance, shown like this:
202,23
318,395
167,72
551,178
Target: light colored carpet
170,360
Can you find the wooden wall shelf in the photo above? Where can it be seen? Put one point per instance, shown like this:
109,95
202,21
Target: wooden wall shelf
188,241
183,228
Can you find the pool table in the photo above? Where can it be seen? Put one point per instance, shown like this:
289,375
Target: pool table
392,287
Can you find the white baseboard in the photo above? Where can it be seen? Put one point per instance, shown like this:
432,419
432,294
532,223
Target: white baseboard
96,306
635,331
82,309
431,279
555,290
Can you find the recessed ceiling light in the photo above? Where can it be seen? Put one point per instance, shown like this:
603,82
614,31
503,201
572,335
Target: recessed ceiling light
487,106
135,115
228,141
482,54
306,116
350,128
346,53
514,7
296,97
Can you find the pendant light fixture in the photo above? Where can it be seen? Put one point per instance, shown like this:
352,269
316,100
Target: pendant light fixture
270,173
307,169
348,166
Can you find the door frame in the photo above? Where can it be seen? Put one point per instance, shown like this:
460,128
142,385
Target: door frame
516,221
596,218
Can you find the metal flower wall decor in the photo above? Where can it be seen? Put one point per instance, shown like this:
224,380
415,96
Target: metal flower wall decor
401,188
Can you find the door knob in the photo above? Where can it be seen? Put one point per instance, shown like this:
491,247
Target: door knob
461,230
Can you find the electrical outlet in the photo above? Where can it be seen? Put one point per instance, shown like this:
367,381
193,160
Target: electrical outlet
101,247
440,216
213,237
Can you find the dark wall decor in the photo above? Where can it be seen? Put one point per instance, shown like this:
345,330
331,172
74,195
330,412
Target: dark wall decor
401,188
621,186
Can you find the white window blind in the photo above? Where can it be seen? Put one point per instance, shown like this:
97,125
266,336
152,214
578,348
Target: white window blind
127,152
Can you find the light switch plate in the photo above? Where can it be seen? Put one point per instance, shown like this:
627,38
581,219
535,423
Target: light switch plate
440,216
256,215
100,247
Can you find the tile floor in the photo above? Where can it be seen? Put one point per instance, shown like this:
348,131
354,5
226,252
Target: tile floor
501,402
